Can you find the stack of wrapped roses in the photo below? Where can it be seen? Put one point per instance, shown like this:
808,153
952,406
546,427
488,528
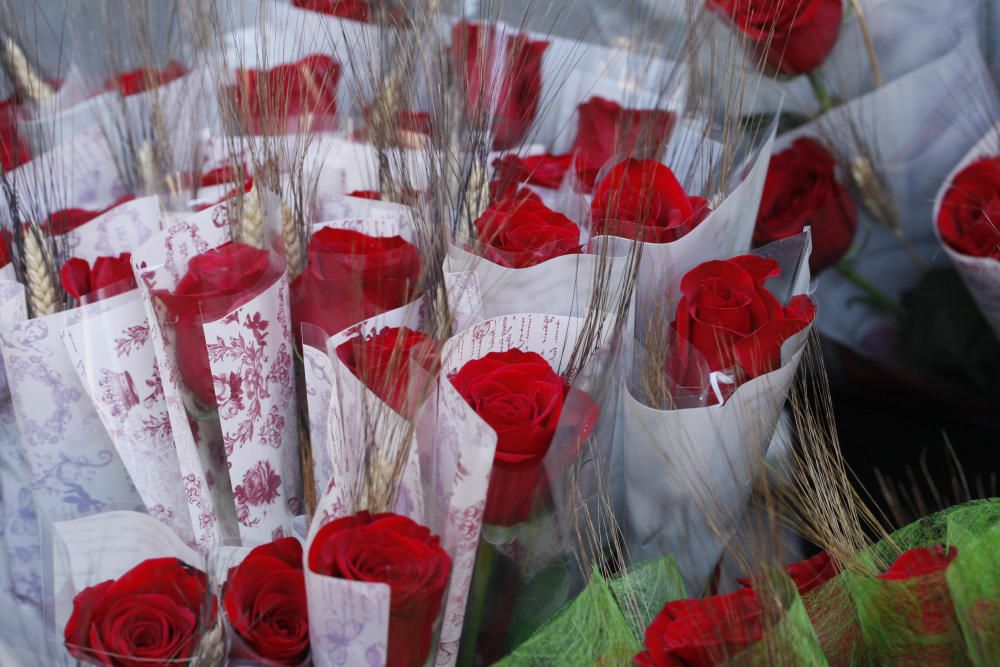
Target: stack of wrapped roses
476,356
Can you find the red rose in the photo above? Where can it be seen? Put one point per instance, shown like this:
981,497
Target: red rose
808,575
352,276
68,219
5,239
382,362
728,315
265,602
518,233
240,178
792,36
151,616
802,189
545,171
517,93
110,276
272,101
605,129
642,199
970,210
14,149
916,593
390,549
217,282
366,194
703,632
506,189
520,396
355,10
141,80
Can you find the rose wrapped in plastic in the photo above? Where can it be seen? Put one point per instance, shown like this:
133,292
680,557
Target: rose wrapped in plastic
802,190
154,615
969,217
394,550
518,92
216,282
522,232
140,80
265,602
382,362
352,276
14,149
287,97
521,397
643,200
790,36
354,10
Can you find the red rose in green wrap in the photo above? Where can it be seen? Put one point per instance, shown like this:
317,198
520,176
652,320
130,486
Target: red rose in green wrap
915,592
382,362
352,276
703,632
969,219
643,200
14,149
522,398
265,602
523,232
808,575
517,93
802,190
290,97
151,616
217,282
394,550
729,317
140,80
791,36
109,276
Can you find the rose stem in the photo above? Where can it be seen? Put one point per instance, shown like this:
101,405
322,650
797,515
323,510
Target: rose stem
822,94
477,603
887,302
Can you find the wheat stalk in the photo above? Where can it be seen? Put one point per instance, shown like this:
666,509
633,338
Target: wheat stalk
38,276
252,219
26,79
293,244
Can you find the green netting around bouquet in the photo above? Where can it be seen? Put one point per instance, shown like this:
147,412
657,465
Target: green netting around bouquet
913,621
594,628
974,582
792,641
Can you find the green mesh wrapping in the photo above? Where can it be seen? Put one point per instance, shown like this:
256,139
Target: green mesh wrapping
914,622
792,641
593,628
647,587
974,581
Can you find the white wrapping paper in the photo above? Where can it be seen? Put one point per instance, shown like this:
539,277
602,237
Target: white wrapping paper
688,472
981,274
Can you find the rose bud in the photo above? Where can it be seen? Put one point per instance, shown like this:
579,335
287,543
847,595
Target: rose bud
109,277
521,398
354,10
394,550
809,574
265,602
382,362
366,194
731,319
802,190
519,233
273,101
151,616
791,36
643,200
216,283
141,80
546,171
969,219
518,93
703,632
352,276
